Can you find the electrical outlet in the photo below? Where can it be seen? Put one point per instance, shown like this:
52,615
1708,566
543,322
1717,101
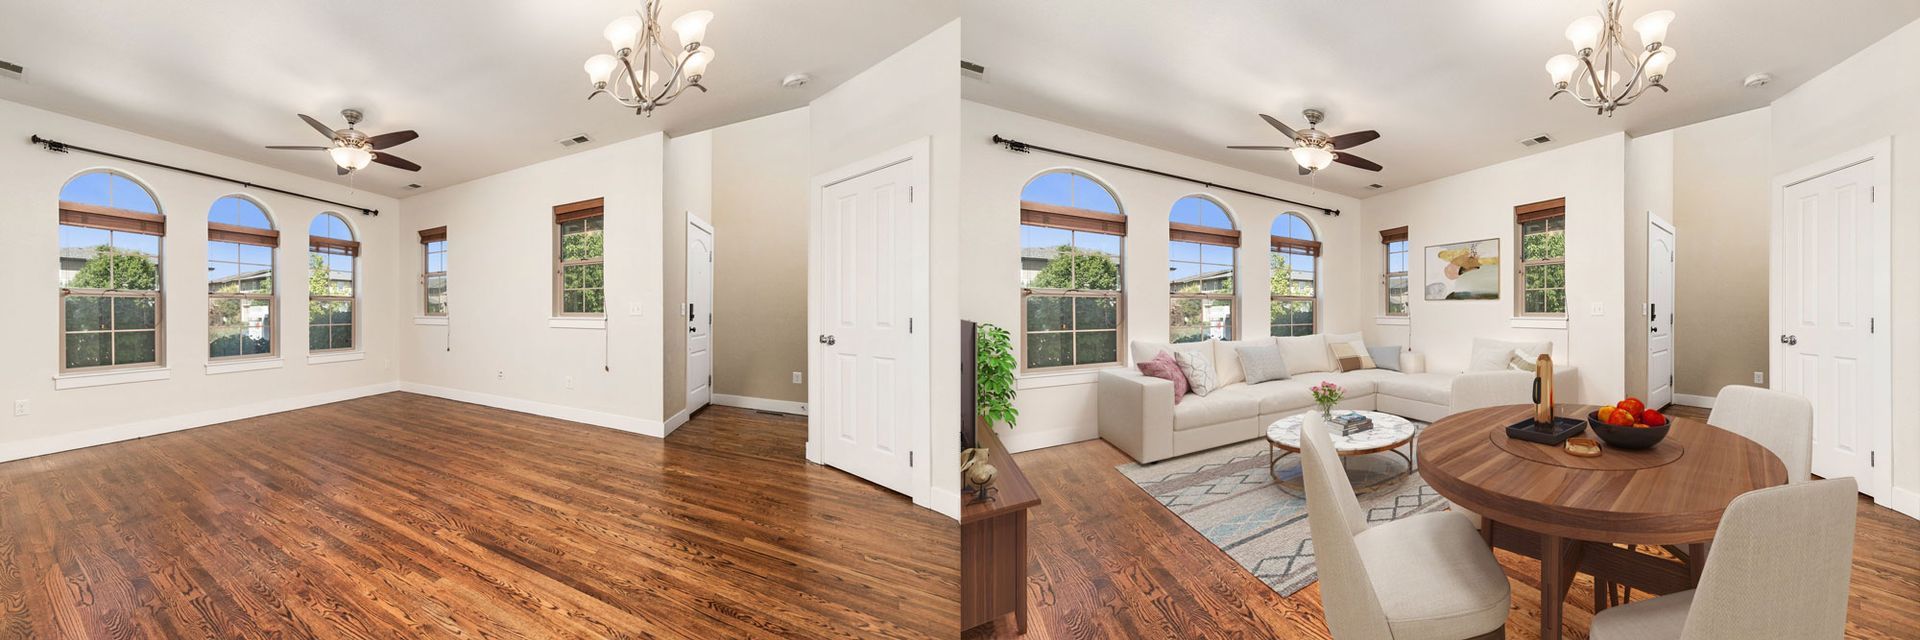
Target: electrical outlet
1598,309
21,408
1759,377
569,382
797,378
634,310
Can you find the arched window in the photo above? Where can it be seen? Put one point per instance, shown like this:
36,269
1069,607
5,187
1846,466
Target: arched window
110,273
1071,232
331,289
1295,259
240,288
1200,270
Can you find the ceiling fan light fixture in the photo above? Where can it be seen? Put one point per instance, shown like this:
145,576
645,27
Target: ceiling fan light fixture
1312,158
351,158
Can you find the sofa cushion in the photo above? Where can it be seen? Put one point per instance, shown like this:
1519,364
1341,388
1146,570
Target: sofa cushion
1198,368
1263,363
1356,383
1229,403
1283,396
1226,358
1163,366
1431,388
1143,350
1496,355
1305,354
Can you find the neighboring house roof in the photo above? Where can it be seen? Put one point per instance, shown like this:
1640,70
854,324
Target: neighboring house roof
243,277
1203,277
1049,253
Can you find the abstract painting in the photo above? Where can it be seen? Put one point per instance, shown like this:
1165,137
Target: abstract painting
1464,270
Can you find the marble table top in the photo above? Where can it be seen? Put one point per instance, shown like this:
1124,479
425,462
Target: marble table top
1388,431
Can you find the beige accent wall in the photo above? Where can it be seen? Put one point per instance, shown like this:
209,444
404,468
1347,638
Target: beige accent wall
760,182
1721,178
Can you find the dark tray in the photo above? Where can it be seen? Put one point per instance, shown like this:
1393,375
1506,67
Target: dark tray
1558,432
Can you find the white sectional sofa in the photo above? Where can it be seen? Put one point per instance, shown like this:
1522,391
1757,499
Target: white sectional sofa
1137,412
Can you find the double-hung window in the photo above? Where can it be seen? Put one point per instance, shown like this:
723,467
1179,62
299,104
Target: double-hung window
1200,270
331,284
579,256
433,273
1542,267
1071,237
112,311
1395,276
240,285
1293,253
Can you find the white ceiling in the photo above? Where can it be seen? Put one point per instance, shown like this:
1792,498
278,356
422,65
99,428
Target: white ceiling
489,84
1451,86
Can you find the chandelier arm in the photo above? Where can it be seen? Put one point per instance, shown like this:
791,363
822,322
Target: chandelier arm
1593,78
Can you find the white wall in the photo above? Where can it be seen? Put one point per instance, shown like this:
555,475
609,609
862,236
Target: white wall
1479,204
689,191
914,94
1650,185
502,350
1059,408
30,182
1872,95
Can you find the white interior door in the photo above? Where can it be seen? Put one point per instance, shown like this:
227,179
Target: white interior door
1660,256
1825,276
699,314
866,369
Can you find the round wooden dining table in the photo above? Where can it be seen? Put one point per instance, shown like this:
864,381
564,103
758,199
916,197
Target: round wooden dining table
1539,500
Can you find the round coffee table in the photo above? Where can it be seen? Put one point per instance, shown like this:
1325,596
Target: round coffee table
1389,433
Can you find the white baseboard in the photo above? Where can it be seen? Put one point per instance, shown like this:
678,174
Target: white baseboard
760,404
156,426
1704,402
628,424
1018,439
677,420
1905,501
946,502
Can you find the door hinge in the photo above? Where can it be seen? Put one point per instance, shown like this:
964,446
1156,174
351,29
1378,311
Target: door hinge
909,458
1873,459
1872,194
909,194
909,325
1873,325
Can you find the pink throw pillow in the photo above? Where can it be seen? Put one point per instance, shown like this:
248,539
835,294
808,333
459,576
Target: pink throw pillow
1163,366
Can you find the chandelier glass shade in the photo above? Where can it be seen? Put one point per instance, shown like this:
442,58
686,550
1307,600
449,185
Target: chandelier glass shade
643,72
1605,73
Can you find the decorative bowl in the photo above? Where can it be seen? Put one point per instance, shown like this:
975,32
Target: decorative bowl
1627,437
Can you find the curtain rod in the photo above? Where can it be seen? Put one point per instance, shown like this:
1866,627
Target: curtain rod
62,147
1022,147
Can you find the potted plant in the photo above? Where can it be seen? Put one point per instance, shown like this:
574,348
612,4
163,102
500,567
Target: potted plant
993,376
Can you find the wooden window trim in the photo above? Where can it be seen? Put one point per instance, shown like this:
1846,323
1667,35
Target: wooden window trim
97,217
1295,246
1539,210
1522,215
1396,234
436,234
220,232
579,210
335,246
1183,232
1072,219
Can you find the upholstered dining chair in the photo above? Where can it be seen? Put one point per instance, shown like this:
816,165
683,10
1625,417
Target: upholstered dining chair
1427,576
1779,569
1780,421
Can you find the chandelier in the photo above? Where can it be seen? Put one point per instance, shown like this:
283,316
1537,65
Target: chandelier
631,76
1590,74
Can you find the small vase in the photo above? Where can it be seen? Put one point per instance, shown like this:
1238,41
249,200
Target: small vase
1326,412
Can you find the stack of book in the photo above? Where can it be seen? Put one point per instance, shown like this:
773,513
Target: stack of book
1351,423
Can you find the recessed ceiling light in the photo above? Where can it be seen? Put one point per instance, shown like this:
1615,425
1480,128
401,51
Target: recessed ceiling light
1758,80
796,80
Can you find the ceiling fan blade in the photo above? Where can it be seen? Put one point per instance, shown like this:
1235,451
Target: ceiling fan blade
316,125
394,139
1355,139
296,147
1277,124
1305,171
1260,147
394,161
1351,160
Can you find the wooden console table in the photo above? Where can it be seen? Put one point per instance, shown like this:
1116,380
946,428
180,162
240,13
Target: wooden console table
993,543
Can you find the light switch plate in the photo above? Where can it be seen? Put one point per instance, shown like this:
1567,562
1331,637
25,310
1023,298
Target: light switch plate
21,408
797,377
634,310
1598,309
1759,377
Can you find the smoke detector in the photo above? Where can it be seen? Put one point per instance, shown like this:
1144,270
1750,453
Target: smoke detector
1536,140
575,139
796,80
11,70
1757,80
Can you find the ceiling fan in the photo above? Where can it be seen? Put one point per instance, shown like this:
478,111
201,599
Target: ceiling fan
1314,149
352,150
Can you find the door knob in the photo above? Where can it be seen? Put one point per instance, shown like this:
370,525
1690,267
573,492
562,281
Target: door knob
826,339
1789,340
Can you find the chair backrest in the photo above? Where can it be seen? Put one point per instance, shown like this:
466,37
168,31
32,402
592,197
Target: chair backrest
1779,565
1780,421
1333,514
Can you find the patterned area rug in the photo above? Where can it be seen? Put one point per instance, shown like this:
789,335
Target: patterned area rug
1229,496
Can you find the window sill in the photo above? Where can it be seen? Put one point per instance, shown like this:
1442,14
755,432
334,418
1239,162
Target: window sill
236,366
431,320
577,323
329,358
104,378
1537,323
1026,381
1393,320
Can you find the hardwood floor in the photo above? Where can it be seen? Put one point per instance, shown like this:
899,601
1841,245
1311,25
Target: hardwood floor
409,516
1110,562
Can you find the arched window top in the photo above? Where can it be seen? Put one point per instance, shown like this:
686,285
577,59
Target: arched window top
239,211
1070,189
109,188
330,225
1291,225
1202,211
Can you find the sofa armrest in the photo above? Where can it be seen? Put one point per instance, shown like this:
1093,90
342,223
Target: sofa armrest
1136,413
1480,389
1413,362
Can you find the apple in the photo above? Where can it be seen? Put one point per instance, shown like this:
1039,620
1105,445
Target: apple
1633,406
1653,418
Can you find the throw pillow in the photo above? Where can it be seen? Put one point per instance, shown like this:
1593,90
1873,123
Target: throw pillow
1497,355
1305,354
1199,371
1350,351
1524,360
1163,366
1262,363
1385,357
